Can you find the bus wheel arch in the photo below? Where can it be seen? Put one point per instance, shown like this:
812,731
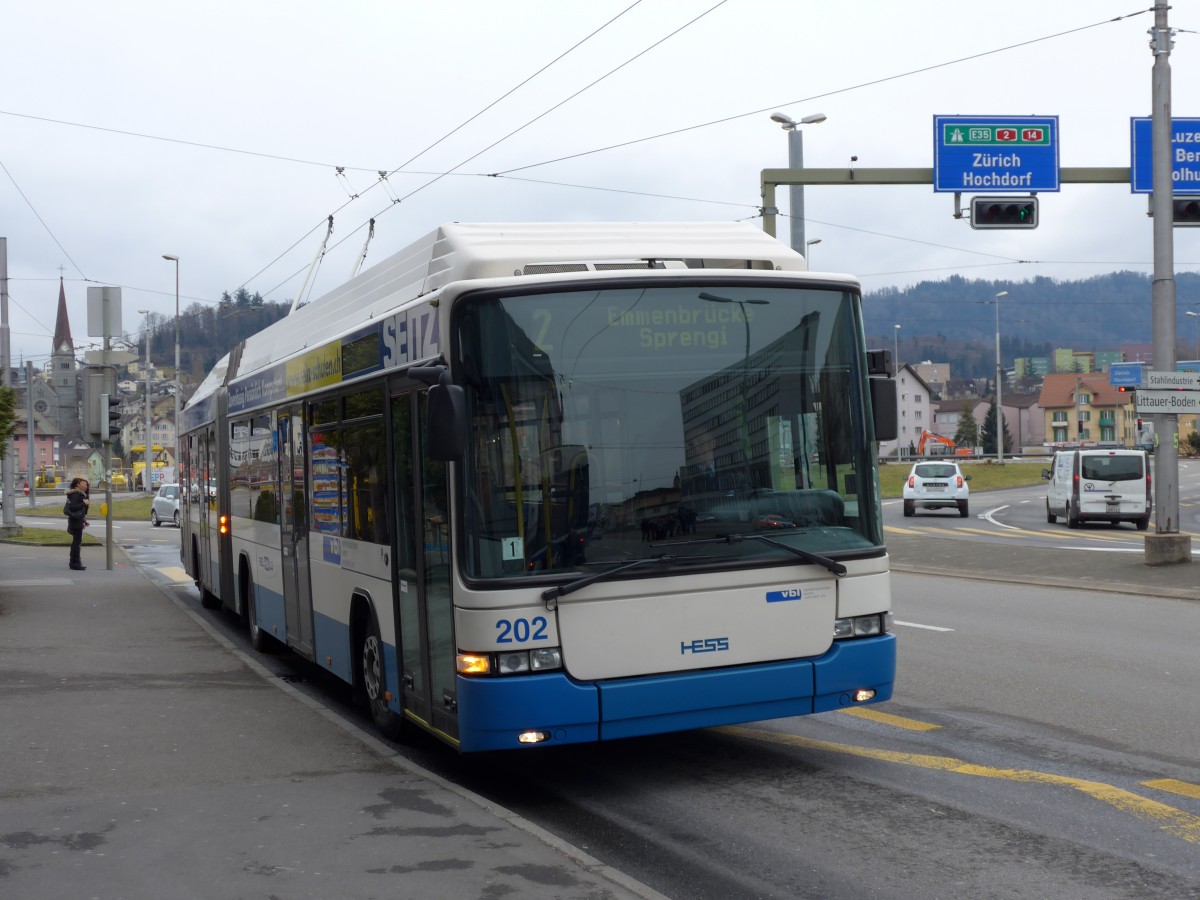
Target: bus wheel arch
370,667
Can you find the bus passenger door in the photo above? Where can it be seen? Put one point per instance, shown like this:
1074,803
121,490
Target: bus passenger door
297,593
424,609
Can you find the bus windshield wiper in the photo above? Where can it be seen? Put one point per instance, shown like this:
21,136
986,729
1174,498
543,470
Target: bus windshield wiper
571,587
807,555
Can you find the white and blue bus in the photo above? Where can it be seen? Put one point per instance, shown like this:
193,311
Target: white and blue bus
541,484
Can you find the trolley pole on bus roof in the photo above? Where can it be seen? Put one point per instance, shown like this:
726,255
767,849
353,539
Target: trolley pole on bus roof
1166,545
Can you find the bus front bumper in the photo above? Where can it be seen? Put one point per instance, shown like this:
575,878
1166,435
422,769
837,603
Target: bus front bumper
495,712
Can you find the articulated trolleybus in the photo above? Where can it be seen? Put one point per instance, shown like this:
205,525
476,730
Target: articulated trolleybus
548,484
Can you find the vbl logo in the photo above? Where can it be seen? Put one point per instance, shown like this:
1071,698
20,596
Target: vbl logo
704,645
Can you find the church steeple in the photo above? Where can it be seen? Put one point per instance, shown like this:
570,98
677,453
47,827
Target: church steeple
63,374
62,327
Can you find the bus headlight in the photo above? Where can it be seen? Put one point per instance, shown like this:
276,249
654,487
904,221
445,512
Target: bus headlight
862,626
515,662
545,658
512,663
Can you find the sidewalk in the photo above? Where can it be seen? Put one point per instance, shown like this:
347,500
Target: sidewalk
145,757
1080,569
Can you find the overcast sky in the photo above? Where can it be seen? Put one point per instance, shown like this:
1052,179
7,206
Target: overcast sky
213,131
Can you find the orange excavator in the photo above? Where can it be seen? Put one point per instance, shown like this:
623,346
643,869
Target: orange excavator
943,444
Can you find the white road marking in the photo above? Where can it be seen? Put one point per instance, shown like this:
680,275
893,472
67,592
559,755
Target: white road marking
926,627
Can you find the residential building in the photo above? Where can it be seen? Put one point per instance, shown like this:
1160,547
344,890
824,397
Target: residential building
936,375
914,413
1078,408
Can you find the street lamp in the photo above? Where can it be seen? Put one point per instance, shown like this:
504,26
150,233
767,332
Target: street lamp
808,252
999,378
178,377
146,451
1196,316
895,349
796,161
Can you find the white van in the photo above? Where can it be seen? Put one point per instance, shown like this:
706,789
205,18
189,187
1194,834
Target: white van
1099,486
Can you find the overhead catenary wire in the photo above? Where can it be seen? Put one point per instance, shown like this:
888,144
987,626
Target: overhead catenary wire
833,93
384,173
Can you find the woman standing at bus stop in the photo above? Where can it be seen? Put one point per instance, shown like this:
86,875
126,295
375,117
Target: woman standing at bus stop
75,509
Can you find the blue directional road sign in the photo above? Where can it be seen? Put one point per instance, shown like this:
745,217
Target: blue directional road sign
997,154
1125,374
975,154
1185,155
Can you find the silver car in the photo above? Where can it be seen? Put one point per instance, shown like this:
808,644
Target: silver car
165,506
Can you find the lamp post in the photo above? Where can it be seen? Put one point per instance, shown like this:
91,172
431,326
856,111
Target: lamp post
895,349
146,451
796,161
999,380
178,376
808,252
1196,316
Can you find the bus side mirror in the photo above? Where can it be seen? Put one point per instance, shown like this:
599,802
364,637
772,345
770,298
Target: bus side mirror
883,408
446,422
1046,474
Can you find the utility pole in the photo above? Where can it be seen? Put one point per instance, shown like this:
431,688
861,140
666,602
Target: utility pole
7,482
1166,545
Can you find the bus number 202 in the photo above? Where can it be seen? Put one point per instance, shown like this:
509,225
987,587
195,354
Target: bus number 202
521,630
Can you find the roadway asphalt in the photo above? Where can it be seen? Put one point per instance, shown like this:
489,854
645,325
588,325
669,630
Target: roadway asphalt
144,756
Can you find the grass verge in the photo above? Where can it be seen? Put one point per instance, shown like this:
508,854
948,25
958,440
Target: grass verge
985,476
46,537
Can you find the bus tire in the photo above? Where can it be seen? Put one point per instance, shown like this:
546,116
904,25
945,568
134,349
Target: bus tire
374,682
208,599
259,639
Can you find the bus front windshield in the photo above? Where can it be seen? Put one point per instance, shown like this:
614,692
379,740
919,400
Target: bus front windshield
639,421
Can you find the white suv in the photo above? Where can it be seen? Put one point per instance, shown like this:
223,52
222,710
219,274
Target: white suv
936,485
165,506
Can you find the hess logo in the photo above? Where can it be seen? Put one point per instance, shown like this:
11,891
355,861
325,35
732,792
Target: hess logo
704,645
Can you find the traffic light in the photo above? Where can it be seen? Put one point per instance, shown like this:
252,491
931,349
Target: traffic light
110,417
1186,212
1004,212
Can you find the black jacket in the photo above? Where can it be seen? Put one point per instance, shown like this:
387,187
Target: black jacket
75,509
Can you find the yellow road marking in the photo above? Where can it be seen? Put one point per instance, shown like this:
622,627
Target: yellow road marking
1183,788
874,715
175,573
900,530
1174,821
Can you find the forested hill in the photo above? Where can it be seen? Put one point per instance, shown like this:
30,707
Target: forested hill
954,320
208,331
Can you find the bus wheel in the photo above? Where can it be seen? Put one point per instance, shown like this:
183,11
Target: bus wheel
374,683
208,599
259,639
